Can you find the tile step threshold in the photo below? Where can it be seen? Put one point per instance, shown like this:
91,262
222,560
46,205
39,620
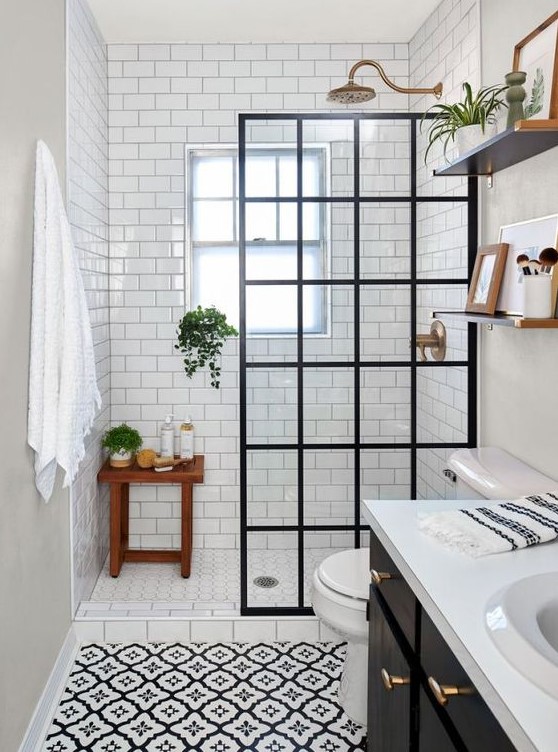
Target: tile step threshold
105,611
200,615
201,628
154,616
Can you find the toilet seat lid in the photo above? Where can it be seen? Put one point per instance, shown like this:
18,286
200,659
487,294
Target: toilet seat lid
347,572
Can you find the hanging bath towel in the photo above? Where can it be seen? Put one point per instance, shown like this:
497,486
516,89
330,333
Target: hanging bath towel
497,528
63,393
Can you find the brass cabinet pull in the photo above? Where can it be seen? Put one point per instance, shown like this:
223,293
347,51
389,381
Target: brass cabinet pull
390,682
442,692
378,577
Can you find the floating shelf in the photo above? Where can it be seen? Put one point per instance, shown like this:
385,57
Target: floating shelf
526,139
501,319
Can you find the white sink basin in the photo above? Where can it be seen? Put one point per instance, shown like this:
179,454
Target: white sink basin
522,620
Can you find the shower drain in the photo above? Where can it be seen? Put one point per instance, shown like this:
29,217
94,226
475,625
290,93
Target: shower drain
266,581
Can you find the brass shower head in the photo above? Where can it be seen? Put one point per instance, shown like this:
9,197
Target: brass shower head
352,93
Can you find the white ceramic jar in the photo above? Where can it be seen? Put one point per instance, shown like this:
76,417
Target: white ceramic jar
537,296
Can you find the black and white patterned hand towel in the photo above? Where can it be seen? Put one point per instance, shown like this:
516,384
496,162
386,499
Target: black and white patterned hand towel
498,528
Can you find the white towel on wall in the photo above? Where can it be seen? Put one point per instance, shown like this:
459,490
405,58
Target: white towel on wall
493,529
63,393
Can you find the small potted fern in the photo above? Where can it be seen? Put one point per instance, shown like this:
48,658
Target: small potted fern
122,443
468,122
201,336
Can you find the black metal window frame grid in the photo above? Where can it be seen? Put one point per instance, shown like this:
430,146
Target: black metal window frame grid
412,282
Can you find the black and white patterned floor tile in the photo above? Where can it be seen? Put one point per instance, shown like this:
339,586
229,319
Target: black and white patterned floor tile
274,697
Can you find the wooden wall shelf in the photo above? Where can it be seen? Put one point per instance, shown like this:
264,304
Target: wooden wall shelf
500,319
526,139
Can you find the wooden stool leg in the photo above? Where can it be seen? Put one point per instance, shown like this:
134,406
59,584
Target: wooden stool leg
186,530
115,528
125,515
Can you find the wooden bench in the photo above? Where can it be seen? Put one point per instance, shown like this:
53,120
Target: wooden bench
119,480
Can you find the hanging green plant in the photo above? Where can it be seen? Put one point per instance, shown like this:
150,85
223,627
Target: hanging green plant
201,336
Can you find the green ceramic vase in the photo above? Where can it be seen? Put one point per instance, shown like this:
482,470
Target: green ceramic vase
515,95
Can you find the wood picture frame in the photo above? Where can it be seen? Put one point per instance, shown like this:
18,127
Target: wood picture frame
487,278
537,55
529,237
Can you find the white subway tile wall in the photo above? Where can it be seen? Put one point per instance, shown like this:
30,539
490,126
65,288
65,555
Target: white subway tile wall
446,48
161,98
88,214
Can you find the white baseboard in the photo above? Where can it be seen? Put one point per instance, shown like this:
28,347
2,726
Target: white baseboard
40,721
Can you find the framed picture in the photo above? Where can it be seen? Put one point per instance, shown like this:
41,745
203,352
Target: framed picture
487,277
537,55
530,238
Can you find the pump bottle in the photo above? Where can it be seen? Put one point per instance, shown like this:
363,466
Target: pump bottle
187,440
167,437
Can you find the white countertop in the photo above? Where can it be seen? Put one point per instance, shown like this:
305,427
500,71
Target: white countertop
454,589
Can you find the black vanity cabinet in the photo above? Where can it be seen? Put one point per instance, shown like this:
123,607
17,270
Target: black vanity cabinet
420,699
464,711
389,683
433,736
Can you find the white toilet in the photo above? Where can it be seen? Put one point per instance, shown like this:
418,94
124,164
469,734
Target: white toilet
339,596
340,584
491,473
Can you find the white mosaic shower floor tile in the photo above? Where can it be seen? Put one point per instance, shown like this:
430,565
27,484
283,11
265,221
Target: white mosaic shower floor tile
213,588
215,578
266,697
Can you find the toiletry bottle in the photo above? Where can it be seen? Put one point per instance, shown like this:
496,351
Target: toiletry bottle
167,437
187,439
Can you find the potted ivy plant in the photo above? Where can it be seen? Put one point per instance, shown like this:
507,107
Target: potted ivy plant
468,122
122,442
201,336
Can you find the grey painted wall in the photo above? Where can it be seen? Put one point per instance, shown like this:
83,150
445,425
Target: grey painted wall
519,407
34,545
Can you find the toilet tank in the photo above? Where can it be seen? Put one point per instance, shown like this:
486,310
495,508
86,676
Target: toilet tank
492,473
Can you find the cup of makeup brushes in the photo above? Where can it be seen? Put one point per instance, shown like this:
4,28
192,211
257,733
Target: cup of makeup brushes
537,296
537,283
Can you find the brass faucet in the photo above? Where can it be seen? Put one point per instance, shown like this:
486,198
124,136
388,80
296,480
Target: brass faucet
435,340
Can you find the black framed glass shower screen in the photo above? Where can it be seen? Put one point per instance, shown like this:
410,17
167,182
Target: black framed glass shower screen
338,406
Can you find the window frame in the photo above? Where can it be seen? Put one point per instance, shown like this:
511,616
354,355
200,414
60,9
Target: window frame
323,241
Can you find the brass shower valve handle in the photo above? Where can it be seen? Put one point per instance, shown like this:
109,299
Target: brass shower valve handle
423,341
435,341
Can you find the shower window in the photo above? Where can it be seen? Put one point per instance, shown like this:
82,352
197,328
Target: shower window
271,236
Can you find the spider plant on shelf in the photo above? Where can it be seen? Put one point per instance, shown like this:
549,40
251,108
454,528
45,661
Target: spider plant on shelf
469,122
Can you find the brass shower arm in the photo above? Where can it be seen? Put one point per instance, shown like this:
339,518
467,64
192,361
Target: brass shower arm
436,90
